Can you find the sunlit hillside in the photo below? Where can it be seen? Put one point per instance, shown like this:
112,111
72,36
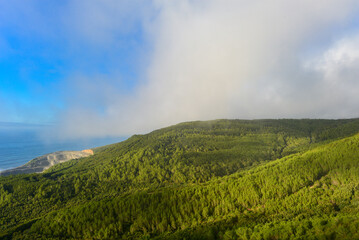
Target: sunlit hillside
222,179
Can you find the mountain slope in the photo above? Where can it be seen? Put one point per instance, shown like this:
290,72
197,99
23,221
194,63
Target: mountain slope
319,184
190,179
200,151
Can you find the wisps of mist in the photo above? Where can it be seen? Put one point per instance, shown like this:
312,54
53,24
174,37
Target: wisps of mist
215,59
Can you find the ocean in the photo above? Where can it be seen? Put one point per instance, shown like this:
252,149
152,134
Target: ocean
18,145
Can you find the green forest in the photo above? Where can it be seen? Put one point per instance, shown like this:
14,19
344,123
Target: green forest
221,179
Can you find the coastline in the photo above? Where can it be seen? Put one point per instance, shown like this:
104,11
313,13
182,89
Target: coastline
18,145
44,162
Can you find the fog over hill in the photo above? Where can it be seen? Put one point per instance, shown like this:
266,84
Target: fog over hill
125,67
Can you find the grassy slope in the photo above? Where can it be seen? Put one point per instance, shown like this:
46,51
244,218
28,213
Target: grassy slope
177,179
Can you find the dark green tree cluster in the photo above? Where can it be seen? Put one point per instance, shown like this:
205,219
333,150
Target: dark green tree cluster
224,179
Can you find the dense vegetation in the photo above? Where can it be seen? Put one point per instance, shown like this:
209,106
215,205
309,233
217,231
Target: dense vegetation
224,179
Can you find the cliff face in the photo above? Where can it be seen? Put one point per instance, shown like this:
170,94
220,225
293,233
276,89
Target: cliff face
44,162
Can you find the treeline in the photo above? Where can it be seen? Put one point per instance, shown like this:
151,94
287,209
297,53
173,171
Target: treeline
217,175
319,184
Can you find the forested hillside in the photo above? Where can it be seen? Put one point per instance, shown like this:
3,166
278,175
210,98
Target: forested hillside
223,179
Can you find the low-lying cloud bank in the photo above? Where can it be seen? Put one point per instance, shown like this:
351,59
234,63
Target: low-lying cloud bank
233,59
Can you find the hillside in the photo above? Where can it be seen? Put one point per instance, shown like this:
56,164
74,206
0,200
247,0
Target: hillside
226,179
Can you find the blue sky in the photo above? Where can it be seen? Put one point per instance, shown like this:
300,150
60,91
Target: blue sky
40,49
97,68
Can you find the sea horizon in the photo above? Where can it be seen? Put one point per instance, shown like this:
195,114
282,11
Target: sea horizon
20,143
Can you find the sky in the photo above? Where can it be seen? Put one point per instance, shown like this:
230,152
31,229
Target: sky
96,68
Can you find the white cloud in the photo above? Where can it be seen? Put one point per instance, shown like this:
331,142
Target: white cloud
233,59
340,62
338,73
